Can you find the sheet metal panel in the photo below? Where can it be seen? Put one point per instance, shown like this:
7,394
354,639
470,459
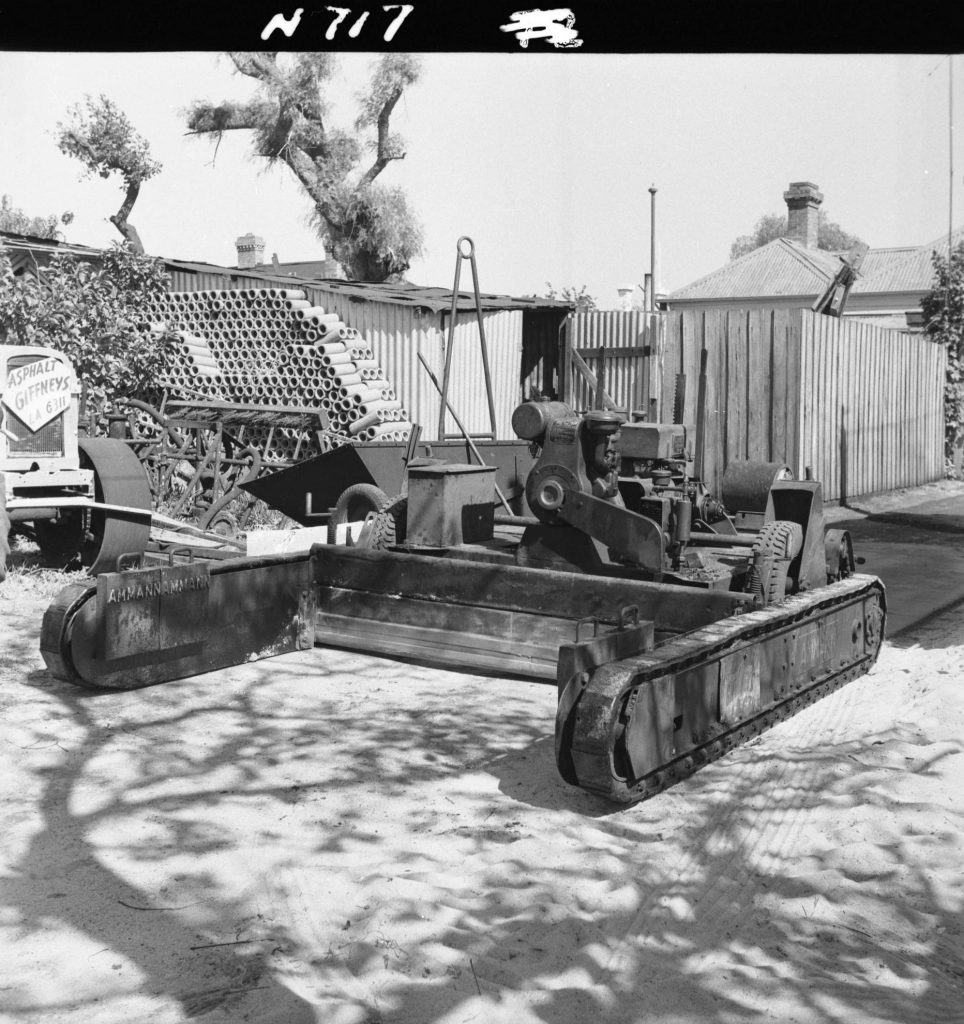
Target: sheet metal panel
503,336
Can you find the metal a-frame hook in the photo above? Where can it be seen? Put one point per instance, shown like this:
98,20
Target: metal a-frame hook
465,250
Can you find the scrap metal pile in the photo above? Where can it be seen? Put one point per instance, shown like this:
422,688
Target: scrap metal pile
271,347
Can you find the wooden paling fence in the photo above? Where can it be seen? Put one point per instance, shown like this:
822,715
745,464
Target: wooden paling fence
861,406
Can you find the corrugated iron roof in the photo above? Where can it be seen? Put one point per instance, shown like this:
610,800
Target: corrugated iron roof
404,293
784,267
781,267
400,293
903,270
34,244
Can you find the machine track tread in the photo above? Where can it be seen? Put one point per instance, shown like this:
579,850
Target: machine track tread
613,684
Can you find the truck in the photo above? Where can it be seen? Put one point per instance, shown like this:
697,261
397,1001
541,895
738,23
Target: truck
86,501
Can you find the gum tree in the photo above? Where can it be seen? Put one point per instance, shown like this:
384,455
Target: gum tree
369,228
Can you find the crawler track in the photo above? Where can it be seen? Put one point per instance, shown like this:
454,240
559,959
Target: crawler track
811,645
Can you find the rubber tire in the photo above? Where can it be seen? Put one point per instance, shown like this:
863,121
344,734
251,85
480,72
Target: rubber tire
779,543
389,525
353,505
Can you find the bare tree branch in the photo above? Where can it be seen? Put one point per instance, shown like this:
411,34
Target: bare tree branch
383,153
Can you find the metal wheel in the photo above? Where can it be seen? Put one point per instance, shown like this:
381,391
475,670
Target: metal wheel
119,479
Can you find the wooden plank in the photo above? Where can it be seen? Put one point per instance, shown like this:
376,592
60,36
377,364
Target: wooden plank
883,385
714,453
466,636
817,389
759,381
825,410
899,398
601,379
579,365
909,451
798,387
860,390
688,345
866,367
845,449
849,435
651,330
921,423
861,367
832,333
516,588
893,417
692,333
833,407
669,369
779,330
733,403
565,391
929,373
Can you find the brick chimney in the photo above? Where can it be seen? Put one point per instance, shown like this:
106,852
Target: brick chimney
250,251
803,200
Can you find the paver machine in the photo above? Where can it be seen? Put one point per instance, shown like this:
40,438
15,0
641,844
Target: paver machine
675,623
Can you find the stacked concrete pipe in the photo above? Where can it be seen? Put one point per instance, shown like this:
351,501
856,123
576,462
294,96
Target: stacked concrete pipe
272,347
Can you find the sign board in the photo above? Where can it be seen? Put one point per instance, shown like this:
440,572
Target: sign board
39,391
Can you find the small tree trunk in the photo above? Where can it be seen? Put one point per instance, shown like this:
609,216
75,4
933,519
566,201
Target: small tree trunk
119,219
130,234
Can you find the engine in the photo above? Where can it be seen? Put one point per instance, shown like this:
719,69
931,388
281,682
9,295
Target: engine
644,470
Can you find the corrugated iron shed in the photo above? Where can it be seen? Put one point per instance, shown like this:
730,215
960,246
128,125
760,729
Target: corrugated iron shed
188,275
402,320
398,293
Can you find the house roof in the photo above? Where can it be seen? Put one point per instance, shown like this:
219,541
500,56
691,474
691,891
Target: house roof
903,270
784,267
399,293
781,267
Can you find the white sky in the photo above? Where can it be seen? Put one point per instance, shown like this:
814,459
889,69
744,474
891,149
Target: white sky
543,159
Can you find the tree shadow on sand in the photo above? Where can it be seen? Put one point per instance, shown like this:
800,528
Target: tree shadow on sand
413,857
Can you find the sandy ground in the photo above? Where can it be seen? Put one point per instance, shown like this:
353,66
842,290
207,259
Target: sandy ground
330,837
